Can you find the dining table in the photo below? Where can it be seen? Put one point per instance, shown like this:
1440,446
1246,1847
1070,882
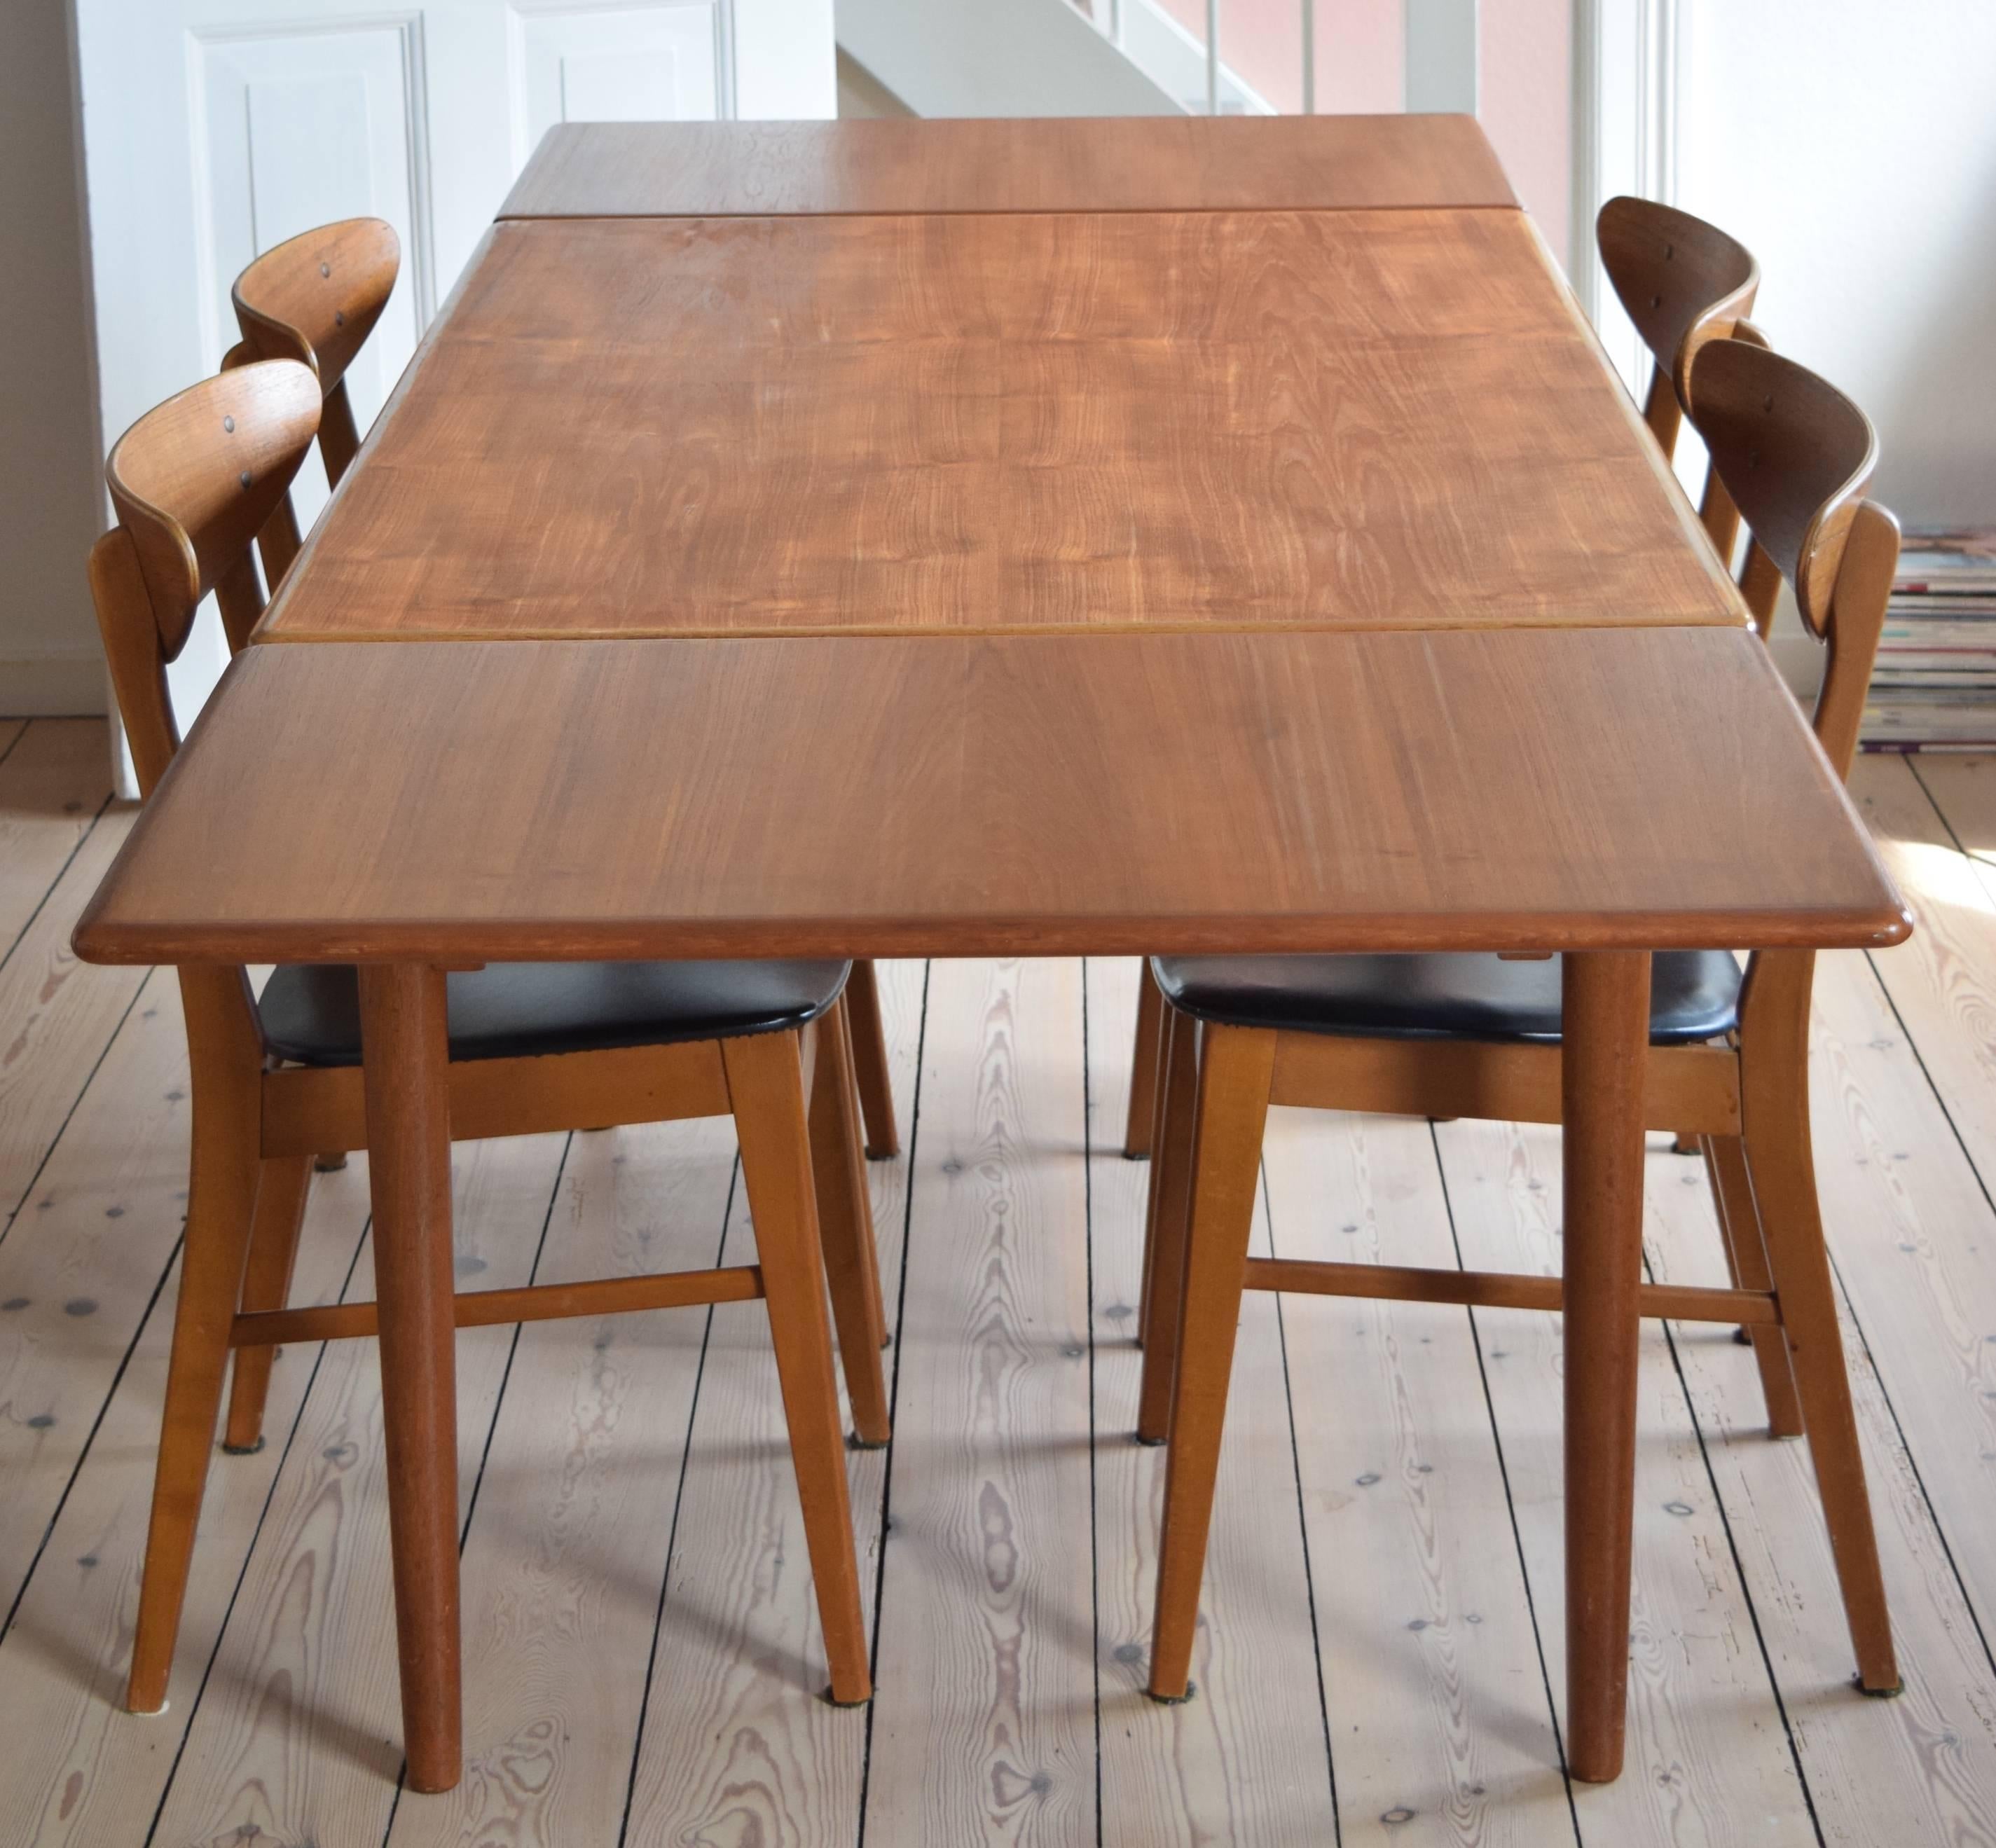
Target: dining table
879,538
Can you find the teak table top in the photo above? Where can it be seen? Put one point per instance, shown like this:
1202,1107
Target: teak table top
976,422
1534,789
1136,164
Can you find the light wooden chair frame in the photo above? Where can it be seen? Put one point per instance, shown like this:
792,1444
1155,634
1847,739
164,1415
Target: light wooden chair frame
315,299
1797,456
191,483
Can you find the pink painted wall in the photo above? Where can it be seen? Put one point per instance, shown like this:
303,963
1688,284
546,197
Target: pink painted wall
1360,57
1525,103
1525,83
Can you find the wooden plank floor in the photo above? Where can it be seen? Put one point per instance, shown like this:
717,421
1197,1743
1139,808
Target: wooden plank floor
1381,1656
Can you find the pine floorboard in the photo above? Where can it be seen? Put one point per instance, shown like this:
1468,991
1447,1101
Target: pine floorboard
1380,1660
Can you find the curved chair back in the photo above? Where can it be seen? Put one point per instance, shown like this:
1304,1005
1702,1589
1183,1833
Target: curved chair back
1684,283
193,483
315,299
1796,455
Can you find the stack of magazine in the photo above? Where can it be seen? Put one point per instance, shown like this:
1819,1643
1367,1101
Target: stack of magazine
1934,688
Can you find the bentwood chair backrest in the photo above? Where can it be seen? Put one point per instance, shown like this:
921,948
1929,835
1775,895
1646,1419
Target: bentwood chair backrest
193,483
1684,283
315,299
1796,455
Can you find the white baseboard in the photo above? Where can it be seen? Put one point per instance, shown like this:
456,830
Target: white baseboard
52,686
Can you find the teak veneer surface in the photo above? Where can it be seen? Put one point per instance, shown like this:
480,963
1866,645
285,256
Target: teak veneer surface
1132,164
787,426
1530,788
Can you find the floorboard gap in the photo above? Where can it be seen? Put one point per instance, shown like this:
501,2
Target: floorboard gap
250,1552
1510,1503
894,1401
672,1531
1303,1525
1740,1572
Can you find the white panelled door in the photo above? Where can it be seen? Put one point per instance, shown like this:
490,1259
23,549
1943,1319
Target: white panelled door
214,128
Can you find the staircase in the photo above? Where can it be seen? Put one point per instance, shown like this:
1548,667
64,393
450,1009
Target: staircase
1160,57
1041,57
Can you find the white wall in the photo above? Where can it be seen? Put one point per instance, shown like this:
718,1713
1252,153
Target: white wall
1851,146
49,494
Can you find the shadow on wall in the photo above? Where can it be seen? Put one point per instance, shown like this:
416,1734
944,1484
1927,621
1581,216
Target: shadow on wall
861,95
1936,399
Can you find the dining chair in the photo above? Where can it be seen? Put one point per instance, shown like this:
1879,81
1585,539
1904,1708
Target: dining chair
276,1077
315,299
1478,1036
1683,283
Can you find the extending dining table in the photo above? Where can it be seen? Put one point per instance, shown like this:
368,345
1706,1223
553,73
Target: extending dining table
949,539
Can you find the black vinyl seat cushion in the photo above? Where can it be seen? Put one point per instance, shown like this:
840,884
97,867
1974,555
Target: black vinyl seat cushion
1694,995
311,1013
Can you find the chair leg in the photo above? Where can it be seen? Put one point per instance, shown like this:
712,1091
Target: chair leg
281,1187
1746,1259
1164,1230
221,1200
845,1226
1236,1066
1775,1094
1144,1064
765,1086
1154,1140
869,1060
331,1161
854,1146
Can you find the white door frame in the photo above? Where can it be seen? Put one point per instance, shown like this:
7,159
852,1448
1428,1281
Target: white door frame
1627,55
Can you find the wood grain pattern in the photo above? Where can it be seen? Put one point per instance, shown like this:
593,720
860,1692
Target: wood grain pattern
1964,790
1245,1764
495,801
299,1732
82,1262
613,169
795,425
1702,1719
734,1738
1443,1723
1943,985
567,1546
59,1016
79,1770
982,1724
55,774
1875,1771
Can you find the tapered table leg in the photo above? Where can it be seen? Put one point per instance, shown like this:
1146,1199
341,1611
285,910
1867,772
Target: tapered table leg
402,1025
1605,1033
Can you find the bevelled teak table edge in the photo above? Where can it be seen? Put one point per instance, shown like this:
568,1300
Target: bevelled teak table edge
572,800
447,944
